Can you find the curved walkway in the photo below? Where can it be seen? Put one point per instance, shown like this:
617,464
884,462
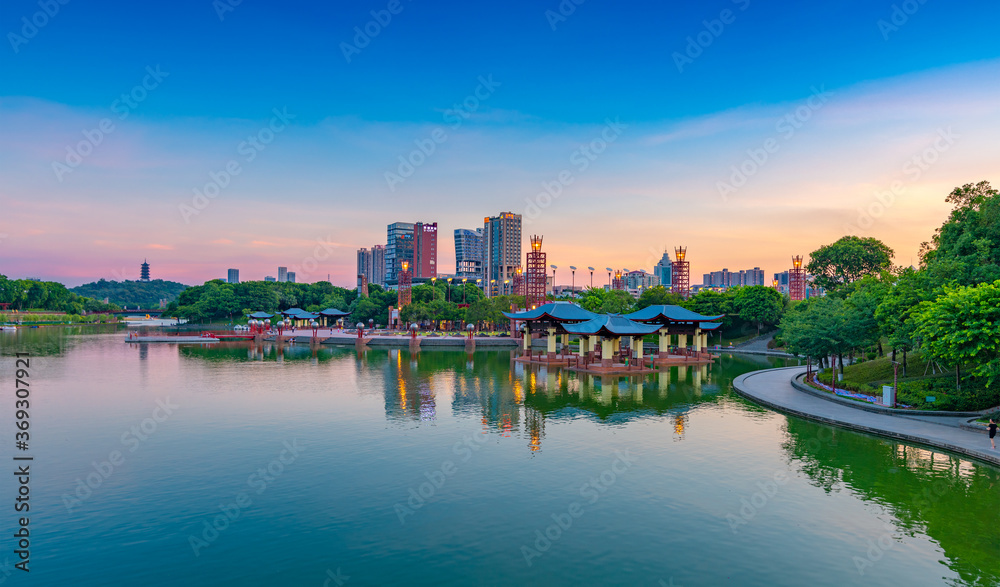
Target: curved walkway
773,388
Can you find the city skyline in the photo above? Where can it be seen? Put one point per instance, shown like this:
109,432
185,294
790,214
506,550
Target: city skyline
691,152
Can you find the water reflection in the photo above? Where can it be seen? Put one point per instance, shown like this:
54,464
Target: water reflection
924,490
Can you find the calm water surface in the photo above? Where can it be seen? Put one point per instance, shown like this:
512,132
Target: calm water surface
443,468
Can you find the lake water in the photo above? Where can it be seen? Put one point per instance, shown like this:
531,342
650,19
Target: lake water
323,467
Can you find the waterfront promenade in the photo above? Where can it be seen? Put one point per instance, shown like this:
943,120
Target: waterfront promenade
773,388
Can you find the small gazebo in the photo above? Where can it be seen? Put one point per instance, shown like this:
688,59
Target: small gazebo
680,321
331,315
610,328
550,318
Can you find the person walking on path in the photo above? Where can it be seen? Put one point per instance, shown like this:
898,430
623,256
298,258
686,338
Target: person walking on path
993,433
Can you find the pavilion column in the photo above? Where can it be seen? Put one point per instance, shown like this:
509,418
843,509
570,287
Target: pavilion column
527,337
607,351
697,340
565,343
637,345
704,340
664,343
552,343
682,341
583,346
591,343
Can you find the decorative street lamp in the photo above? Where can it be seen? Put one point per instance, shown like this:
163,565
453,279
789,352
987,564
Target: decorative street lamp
470,328
591,277
464,279
553,278
609,276
572,286
447,292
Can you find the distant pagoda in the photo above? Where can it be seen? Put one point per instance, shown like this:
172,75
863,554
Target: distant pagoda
144,271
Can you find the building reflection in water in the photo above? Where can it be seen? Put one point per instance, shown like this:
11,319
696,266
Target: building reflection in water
409,395
512,399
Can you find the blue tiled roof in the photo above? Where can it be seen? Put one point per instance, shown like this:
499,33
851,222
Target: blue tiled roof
558,311
663,314
613,324
261,315
334,313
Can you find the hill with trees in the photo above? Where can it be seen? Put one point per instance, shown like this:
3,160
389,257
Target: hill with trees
146,294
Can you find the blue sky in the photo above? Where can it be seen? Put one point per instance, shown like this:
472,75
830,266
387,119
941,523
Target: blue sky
895,84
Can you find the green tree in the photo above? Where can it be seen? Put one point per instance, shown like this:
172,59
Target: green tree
963,327
966,248
657,296
849,259
759,305
818,328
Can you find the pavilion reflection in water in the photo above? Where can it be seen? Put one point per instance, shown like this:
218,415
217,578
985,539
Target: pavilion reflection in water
514,399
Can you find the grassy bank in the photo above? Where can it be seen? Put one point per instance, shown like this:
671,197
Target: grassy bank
916,388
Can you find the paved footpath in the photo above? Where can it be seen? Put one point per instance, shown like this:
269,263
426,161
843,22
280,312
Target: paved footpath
773,388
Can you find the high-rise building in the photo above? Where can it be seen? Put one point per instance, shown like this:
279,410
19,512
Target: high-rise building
282,274
365,263
470,253
726,278
662,270
425,250
269,278
635,282
398,248
144,271
371,264
378,265
290,277
502,240
234,276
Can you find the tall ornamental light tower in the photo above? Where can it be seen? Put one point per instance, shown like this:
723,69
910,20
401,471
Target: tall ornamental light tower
405,284
797,279
535,277
680,273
